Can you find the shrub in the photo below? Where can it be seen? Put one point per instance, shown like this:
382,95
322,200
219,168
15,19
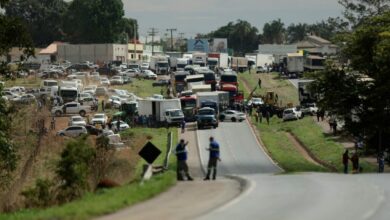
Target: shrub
41,195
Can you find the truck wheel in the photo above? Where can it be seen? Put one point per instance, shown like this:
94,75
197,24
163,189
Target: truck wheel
82,113
58,113
233,119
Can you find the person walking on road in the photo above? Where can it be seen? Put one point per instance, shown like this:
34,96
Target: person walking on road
213,159
183,126
182,167
346,161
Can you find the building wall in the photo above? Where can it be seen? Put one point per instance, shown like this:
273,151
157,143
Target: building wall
97,53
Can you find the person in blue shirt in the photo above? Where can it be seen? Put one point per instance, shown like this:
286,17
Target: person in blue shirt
213,159
182,167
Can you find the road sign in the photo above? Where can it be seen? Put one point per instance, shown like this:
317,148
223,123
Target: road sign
149,152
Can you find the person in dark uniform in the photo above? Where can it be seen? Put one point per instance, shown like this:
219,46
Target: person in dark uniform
213,159
181,154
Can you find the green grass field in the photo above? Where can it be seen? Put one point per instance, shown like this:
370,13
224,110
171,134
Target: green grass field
142,88
109,201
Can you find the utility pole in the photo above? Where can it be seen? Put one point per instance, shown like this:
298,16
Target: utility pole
153,32
135,41
171,30
181,41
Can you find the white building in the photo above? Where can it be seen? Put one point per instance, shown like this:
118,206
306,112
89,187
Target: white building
97,53
317,46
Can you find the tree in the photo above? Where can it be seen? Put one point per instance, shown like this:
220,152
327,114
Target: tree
329,29
94,21
274,32
12,34
357,11
242,37
42,17
130,26
296,32
74,168
360,94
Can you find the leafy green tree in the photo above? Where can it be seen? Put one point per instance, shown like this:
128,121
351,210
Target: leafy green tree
274,32
329,29
356,11
242,36
74,168
94,21
296,32
360,94
43,18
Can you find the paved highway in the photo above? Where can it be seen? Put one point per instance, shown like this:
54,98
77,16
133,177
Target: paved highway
301,196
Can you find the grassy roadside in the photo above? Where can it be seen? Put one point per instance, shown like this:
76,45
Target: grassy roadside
111,200
306,130
142,88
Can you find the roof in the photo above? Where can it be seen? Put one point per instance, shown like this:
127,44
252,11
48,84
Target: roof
306,44
51,49
315,57
318,39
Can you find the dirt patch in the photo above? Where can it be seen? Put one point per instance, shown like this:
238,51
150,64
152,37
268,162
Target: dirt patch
302,150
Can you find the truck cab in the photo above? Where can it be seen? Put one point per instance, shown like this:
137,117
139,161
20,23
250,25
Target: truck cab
206,118
174,116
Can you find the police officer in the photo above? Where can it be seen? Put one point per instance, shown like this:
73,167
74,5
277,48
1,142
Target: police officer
181,154
213,159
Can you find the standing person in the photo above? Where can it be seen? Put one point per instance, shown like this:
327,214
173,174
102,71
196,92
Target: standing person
260,114
181,154
345,161
267,116
118,125
355,162
381,163
318,113
103,106
213,159
257,116
53,123
183,126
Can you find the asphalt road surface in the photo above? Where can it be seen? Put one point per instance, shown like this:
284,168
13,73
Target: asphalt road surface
299,196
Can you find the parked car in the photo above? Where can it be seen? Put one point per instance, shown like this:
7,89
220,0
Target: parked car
92,130
76,120
232,115
256,101
99,118
147,74
104,82
122,125
309,109
95,76
116,80
291,114
144,66
129,73
25,99
73,131
101,91
71,108
116,101
161,82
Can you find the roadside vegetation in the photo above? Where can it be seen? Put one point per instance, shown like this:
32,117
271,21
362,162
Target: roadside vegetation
142,88
104,201
280,147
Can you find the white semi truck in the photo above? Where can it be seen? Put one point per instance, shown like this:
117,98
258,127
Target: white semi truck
199,59
163,110
159,65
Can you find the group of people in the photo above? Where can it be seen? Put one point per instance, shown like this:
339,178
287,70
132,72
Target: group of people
355,162
182,156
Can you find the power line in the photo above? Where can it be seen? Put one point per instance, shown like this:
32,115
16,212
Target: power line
153,32
171,30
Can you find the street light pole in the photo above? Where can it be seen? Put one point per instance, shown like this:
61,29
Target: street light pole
172,30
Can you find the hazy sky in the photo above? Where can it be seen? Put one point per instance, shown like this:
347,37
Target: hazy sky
202,16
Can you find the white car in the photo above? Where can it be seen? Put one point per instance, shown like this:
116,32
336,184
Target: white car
144,66
76,121
116,101
291,114
129,73
84,95
309,109
104,82
256,101
99,118
116,80
73,131
90,89
25,99
10,95
122,125
232,115
147,74
94,76
101,91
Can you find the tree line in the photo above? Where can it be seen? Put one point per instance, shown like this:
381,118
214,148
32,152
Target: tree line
78,21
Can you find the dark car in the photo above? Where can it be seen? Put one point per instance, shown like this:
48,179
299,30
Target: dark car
92,130
161,82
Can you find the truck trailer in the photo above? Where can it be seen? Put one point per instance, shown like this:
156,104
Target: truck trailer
162,110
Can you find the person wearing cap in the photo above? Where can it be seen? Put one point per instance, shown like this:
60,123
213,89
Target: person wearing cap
182,167
213,159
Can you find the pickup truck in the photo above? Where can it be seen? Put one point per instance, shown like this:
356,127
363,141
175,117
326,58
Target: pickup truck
206,118
71,108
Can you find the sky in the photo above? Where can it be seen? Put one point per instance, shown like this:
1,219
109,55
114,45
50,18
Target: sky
202,16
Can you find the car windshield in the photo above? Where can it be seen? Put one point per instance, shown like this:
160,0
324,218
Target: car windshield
78,119
209,76
229,78
98,116
206,112
176,113
288,111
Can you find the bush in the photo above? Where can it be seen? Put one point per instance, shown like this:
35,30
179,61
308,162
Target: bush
73,169
104,157
41,195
